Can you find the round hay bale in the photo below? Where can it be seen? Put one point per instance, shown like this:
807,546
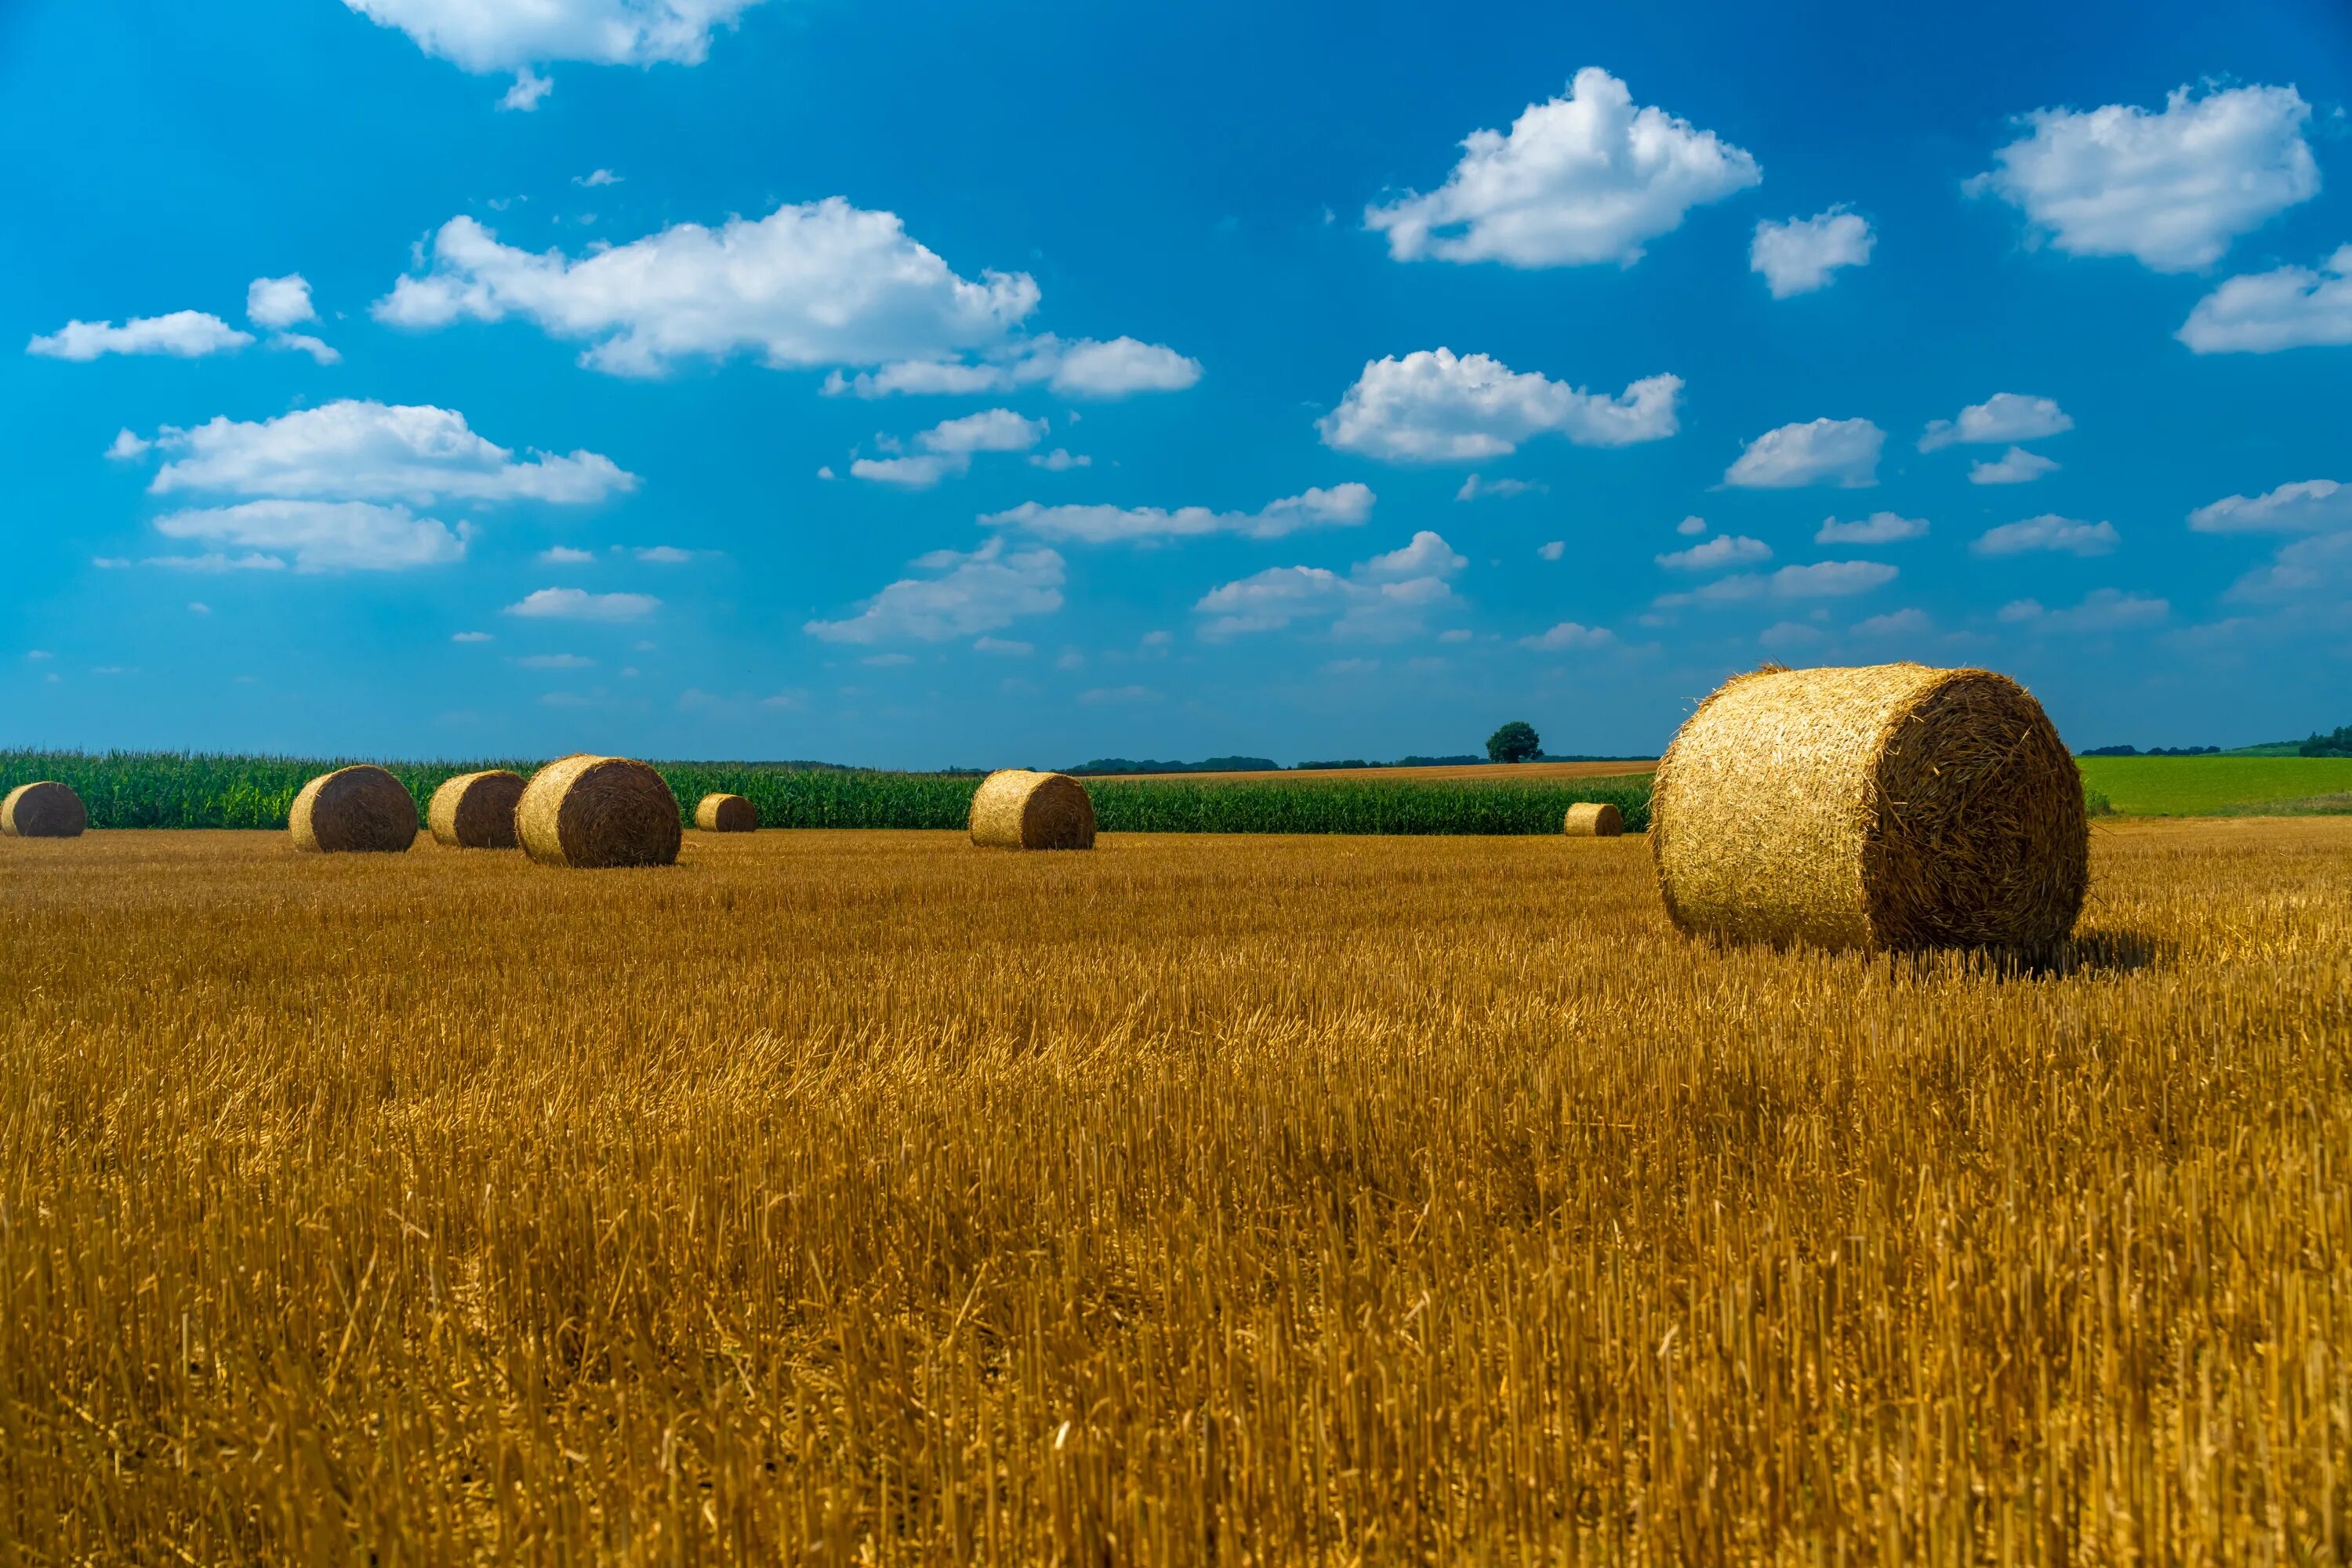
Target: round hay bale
476,811
590,811
353,809
1593,819
43,810
1887,807
726,814
1017,809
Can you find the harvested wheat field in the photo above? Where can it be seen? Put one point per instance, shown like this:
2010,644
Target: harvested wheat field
863,1197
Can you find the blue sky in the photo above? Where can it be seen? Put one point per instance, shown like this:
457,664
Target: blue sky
804,378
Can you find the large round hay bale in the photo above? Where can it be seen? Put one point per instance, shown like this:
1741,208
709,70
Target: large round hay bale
1887,807
726,814
592,811
43,810
1017,809
1593,819
476,811
361,808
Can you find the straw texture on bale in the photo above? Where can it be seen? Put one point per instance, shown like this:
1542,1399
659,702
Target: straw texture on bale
1886,806
590,811
476,811
726,814
43,810
355,809
1017,809
1593,819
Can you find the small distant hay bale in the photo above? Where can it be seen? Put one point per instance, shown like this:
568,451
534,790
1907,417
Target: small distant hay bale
1888,806
1593,819
1017,809
43,810
361,810
593,812
726,814
476,811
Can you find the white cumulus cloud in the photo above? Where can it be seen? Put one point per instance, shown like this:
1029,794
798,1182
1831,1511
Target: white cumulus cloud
182,334
2318,568
1570,635
2064,535
2307,506
486,35
1798,256
353,450
2292,308
948,447
323,536
2172,189
2015,466
821,283
529,88
1477,487
279,302
1894,623
1878,528
1724,550
1820,452
2001,420
1822,580
579,605
303,342
1388,596
2101,610
1584,178
1341,506
1427,555
966,592
489,36
1433,406
1083,368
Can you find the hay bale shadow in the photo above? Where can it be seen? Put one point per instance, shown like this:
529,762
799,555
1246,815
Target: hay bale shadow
2092,952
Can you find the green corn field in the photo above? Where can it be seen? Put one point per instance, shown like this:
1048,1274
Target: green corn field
163,789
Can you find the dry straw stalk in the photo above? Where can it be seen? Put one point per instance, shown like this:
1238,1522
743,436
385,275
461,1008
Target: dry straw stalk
1017,809
353,809
726,814
1593,819
592,811
1886,806
43,810
476,811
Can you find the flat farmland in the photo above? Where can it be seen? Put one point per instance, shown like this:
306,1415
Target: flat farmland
863,1197
2207,786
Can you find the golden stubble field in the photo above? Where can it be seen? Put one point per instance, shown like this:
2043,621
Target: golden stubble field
865,1197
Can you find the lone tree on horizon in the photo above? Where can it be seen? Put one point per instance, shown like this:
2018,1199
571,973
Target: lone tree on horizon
1516,742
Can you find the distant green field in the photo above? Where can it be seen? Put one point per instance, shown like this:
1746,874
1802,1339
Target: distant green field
2212,786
